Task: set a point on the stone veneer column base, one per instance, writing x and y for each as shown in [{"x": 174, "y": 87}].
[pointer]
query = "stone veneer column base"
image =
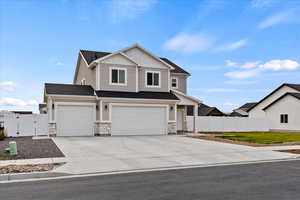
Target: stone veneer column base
[
  {"x": 172, "y": 128},
  {"x": 52, "y": 129},
  {"x": 104, "y": 129}
]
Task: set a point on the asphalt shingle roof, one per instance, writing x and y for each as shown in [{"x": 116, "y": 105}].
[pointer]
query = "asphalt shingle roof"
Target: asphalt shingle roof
[
  {"x": 68, "y": 89},
  {"x": 90, "y": 56},
  {"x": 137, "y": 95}
]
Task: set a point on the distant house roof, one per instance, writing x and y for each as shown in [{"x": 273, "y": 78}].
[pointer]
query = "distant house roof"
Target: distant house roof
[
  {"x": 296, "y": 95},
  {"x": 247, "y": 106},
  {"x": 137, "y": 95},
  {"x": 22, "y": 112},
  {"x": 68, "y": 89},
  {"x": 90, "y": 56},
  {"x": 205, "y": 110},
  {"x": 294, "y": 86}
]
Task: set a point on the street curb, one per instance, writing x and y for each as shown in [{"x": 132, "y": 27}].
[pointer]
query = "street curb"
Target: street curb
[
  {"x": 33, "y": 175},
  {"x": 41, "y": 176}
]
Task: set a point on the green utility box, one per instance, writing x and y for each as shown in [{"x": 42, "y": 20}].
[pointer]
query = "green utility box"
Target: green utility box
[{"x": 13, "y": 148}]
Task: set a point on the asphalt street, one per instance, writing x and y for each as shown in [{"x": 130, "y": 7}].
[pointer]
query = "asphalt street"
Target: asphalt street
[{"x": 265, "y": 181}]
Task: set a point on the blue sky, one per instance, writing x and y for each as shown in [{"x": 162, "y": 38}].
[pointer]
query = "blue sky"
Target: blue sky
[{"x": 236, "y": 50}]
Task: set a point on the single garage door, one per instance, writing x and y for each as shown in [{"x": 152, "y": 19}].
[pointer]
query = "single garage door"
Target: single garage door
[
  {"x": 75, "y": 120},
  {"x": 138, "y": 120}
]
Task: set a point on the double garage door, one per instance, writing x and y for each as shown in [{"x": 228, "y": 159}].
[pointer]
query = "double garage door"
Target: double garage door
[
  {"x": 78, "y": 120},
  {"x": 138, "y": 120}
]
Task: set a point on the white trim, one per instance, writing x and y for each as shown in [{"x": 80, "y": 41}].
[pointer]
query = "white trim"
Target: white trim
[
  {"x": 131, "y": 47},
  {"x": 117, "y": 68},
  {"x": 159, "y": 79},
  {"x": 142, "y": 105},
  {"x": 71, "y": 96},
  {"x": 101, "y": 111},
  {"x": 136, "y": 79},
  {"x": 83, "y": 81},
  {"x": 84, "y": 59},
  {"x": 147, "y": 52},
  {"x": 169, "y": 76},
  {"x": 176, "y": 78},
  {"x": 98, "y": 77},
  {"x": 56, "y": 104},
  {"x": 189, "y": 97},
  {"x": 110, "y": 55}
]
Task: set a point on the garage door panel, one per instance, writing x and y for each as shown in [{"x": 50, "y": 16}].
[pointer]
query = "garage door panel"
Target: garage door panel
[
  {"x": 75, "y": 120},
  {"x": 138, "y": 120}
]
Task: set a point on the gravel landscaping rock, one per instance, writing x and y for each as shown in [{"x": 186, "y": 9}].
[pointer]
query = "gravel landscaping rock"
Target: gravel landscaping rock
[
  {"x": 29, "y": 148},
  {"x": 27, "y": 168}
]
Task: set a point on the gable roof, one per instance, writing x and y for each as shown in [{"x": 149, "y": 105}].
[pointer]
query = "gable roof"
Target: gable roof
[
  {"x": 205, "y": 110},
  {"x": 247, "y": 106},
  {"x": 294, "y": 94},
  {"x": 294, "y": 86},
  {"x": 68, "y": 89},
  {"x": 137, "y": 95},
  {"x": 91, "y": 56}
]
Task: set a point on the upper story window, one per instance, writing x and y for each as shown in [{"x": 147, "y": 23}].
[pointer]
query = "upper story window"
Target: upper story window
[
  {"x": 174, "y": 82},
  {"x": 118, "y": 76},
  {"x": 83, "y": 82},
  {"x": 284, "y": 118},
  {"x": 152, "y": 79}
]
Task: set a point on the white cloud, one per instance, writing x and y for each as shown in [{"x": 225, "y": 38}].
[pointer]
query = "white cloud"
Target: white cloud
[
  {"x": 262, "y": 3},
  {"x": 218, "y": 90},
  {"x": 286, "y": 16},
  {"x": 277, "y": 65},
  {"x": 129, "y": 9},
  {"x": 253, "y": 69},
  {"x": 58, "y": 63},
  {"x": 250, "y": 65},
  {"x": 240, "y": 82},
  {"x": 228, "y": 104},
  {"x": 243, "y": 74},
  {"x": 230, "y": 63},
  {"x": 8, "y": 86},
  {"x": 232, "y": 46},
  {"x": 6, "y": 101},
  {"x": 189, "y": 43}
]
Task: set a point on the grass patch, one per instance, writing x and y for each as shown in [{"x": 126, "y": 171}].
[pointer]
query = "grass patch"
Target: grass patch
[{"x": 260, "y": 137}]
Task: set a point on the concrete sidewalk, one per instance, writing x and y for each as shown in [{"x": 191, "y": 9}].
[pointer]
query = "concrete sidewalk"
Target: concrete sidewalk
[
  {"x": 109, "y": 154},
  {"x": 32, "y": 161}
]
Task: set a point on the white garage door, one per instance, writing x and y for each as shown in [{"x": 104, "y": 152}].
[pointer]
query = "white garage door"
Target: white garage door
[
  {"x": 75, "y": 120},
  {"x": 138, "y": 120}
]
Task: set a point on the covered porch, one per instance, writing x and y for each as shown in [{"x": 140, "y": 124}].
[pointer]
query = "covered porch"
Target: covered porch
[{"x": 187, "y": 106}]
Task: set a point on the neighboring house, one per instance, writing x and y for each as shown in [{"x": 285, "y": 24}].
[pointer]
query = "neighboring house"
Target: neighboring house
[
  {"x": 43, "y": 108},
  {"x": 281, "y": 107},
  {"x": 243, "y": 110},
  {"x": 205, "y": 110},
  {"x": 128, "y": 92}
]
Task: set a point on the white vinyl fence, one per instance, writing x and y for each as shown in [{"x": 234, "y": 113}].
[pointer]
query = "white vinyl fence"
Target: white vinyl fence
[
  {"x": 227, "y": 124},
  {"x": 16, "y": 125}
]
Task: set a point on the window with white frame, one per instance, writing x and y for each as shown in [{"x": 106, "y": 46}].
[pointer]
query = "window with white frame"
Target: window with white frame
[
  {"x": 174, "y": 82},
  {"x": 284, "y": 118},
  {"x": 83, "y": 82},
  {"x": 118, "y": 76},
  {"x": 153, "y": 79}
]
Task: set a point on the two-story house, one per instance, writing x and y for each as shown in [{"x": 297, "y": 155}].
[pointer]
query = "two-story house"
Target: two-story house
[{"x": 128, "y": 92}]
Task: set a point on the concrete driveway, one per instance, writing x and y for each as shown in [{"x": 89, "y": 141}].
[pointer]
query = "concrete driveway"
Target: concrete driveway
[{"x": 108, "y": 154}]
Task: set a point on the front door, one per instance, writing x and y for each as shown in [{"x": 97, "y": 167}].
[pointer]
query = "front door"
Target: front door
[{"x": 180, "y": 119}]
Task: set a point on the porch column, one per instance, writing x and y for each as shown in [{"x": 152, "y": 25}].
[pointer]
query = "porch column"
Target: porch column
[{"x": 195, "y": 116}]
